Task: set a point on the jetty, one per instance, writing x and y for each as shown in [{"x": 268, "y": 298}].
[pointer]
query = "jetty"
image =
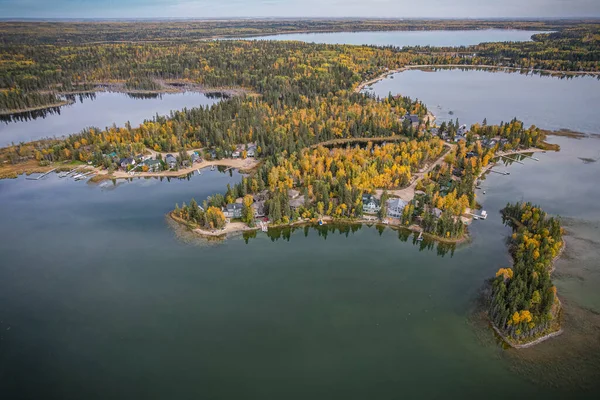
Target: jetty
[{"x": 40, "y": 176}]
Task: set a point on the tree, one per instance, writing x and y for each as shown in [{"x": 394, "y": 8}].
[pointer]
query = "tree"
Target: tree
[{"x": 247, "y": 211}]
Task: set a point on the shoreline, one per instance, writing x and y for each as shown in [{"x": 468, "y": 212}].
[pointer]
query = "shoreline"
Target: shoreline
[
  {"x": 167, "y": 87},
  {"x": 38, "y": 108}
]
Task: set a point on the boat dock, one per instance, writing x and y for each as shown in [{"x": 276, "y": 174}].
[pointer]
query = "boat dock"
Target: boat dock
[
  {"x": 513, "y": 160},
  {"x": 41, "y": 176}
]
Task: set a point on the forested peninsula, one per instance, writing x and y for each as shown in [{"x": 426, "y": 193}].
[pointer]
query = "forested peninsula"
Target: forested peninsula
[{"x": 319, "y": 149}]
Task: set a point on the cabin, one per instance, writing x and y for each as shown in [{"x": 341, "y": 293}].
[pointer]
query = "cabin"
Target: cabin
[
  {"x": 236, "y": 154},
  {"x": 171, "y": 161},
  {"x": 370, "y": 204},
  {"x": 126, "y": 162},
  {"x": 233, "y": 210},
  {"x": 296, "y": 199},
  {"x": 395, "y": 208},
  {"x": 251, "y": 151}
]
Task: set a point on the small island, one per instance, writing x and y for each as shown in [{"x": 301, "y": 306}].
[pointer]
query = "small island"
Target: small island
[{"x": 524, "y": 308}]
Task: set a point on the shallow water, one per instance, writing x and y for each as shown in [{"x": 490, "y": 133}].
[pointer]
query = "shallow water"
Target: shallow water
[
  {"x": 104, "y": 109},
  {"x": 409, "y": 38}
]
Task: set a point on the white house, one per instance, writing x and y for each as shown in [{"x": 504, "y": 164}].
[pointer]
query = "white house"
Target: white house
[{"x": 370, "y": 204}]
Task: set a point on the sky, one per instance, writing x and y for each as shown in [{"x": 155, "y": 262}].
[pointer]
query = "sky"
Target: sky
[{"x": 299, "y": 8}]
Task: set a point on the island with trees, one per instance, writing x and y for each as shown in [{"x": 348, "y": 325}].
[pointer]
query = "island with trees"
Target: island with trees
[{"x": 524, "y": 307}]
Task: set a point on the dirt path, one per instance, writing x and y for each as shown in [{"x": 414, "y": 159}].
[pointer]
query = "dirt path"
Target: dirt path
[{"x": 408, "y": 193}]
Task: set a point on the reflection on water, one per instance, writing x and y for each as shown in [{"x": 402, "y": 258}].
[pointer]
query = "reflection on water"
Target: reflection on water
[
  {"x": 98, "y": 110},
  {"x": 286, "y": 233}
]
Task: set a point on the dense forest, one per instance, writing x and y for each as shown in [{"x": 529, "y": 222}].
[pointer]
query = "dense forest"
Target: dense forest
[
  {"x": 276, "y": 70},
  {"x": 524, "y": 304}
]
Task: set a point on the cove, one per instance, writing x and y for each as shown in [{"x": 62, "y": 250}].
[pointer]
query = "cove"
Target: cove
[
  {"x": 408, "y": 38},
  {"x": 100, "y": 110}
]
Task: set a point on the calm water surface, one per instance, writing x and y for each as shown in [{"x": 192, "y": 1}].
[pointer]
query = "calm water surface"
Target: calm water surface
[
  {"x": 471, "y": 95},
  {"x": 409, "y": 38},
  {"x": 99, "y": 297},
  {"x": 104, "y": 110}
]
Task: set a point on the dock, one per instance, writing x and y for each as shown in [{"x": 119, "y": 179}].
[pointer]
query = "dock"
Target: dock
[
  {"x": 513, "y": 160},
  {"x": 41, "y": 176},
  {"x": 499, "y": 172}
]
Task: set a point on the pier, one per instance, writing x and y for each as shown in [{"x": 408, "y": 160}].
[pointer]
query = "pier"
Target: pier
[
  {"x": 513, "y": 159},
  {"x": 499, "y": 172},
  {"x": 41, "y": 176}
]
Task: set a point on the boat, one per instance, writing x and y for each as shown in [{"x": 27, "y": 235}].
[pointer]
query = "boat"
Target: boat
[
  {"x": 420, "y": 238},
  {"x": 212, "y": 168}
]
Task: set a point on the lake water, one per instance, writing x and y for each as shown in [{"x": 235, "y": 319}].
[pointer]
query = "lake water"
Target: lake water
[
  {"x": 471, "y": 95},
  {"x": 101, "y": 297},
  {"x": 103, "y": 110},
  {"x": 96, "y": 285},
  {"x": 409, "y": 38}
]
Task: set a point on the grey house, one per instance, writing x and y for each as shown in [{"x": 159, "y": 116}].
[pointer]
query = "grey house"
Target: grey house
[
  {"x": 233, "y": 210},
  {"x": 171, "y": 160},
  {"x": 395, "y": 208}
]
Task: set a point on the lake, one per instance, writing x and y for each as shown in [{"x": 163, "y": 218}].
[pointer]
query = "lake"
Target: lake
[
  {"x": 102, "y": 297},
  {"x": 101, "y": 110},
  {"x": 471, "y": 95},
  {"x": 96, "y": 285},
  {"x": 408, "y": 38}
]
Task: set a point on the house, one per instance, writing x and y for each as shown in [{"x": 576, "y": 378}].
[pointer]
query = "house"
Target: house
[
  {"x": 171, "y": 161},
  {"x": 235, "y": 154},
  {"x": 251, "y": 151},
  {"x": 370, "y": 204},
  {"x": 233, "y": 210},
  {"x": 195, "y": 157},
  {"x": 126, "y": 162},
  {"x": 297, "y": 202},
  {"x": 435, "y": 131},
  {"x": 259, "y": 208},
  {"x": 489, "y": 143},
  {"x": 395, "y": 208},
  {"x": 412, "y": 118},
  {"x": 153, "y": 165}
]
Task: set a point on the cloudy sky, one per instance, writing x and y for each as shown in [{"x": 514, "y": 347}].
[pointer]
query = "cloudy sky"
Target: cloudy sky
[{"x": 297, "y": 8}]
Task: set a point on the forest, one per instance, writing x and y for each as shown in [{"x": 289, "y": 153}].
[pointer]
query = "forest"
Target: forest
[
  {"x": 524, "y": 304},
  {"x": 33, "y": 75}
]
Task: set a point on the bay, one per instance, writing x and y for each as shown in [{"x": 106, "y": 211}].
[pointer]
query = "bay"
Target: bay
[{"x": 101, "y": 110}]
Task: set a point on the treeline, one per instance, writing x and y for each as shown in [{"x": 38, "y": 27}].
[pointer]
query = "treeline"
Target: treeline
[
  {"x": 524, "y": 303},
  {"x": 82, "y": 32},
  {"x": 16, "y": 99}
]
